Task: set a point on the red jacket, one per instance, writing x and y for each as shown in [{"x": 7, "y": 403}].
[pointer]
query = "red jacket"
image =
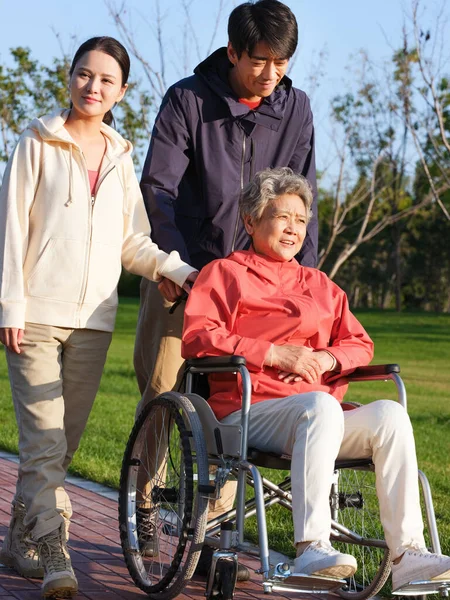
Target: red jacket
[{"x": 243, "y": 303}]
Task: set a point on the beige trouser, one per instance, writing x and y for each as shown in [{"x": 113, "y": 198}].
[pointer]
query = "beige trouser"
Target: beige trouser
[
  {"x": 157, "y": 352},
  {"x": 54, "y": 382},
  {"x": 314, "y": 430},
  {"x": 159, "y": 365}
]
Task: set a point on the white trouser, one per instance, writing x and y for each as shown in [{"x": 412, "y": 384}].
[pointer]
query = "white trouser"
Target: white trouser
[{"x": 314, "y": 430}]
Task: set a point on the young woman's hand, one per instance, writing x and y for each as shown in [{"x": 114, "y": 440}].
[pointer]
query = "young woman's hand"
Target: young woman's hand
[
  {"x": 169, "y": 290},
  {"x": 11, "y": 337}
]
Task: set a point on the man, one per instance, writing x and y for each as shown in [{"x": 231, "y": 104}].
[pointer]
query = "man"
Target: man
[{"x": 237, "y": 115}]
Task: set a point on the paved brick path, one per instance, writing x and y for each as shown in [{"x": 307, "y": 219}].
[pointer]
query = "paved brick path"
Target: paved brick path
[{"x": 96, "y": 553}]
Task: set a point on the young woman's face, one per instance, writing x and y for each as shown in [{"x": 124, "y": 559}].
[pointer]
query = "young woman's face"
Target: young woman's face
[{"x": 96, "y": 85}]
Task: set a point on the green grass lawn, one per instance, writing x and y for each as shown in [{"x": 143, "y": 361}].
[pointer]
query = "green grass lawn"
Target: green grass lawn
[{"x": 419, "y": 342}]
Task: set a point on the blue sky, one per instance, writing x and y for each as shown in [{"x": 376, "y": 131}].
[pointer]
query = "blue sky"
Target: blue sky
[
  {"x": 342, "y": 26},
  {"x": 339, "y": 27}
]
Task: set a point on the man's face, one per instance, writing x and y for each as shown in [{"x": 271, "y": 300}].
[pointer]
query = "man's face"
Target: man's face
[{"x": 256, "y": 76}]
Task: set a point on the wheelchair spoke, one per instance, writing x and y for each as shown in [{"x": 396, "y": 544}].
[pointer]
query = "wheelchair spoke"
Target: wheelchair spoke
[
  {"x": 358, "y": 511},
  {"x": 161, "y": 512}
]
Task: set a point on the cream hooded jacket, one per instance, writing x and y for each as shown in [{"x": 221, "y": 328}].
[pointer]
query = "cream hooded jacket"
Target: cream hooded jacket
[{"x": 61, "y": 250}]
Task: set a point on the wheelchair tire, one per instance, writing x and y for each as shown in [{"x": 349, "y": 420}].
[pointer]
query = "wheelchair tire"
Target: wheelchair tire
[
  {"x": 163, "y": 501},
  {"x": 359, "y": 512}
]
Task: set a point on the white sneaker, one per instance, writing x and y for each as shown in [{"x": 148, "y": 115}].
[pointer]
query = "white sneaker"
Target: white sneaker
[
  {"x": 418, "y": 564},
  {"x": 320, "y": 558}
]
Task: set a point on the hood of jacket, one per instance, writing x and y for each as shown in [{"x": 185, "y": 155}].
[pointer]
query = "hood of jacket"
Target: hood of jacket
[
  {"x": 50, "y": 128},
  {"x": 266, "y": 268},
  {"x": 214, "y": 72}
]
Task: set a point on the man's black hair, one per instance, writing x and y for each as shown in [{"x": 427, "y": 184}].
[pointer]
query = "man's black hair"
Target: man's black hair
[{"x": 267, "y": 21}]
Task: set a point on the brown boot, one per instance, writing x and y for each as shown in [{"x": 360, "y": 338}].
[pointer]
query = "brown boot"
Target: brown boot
[
  {"x": 147, "y": 533},
  {"x": 59, "y": 578},
  {"x": 18, "y": 551}
]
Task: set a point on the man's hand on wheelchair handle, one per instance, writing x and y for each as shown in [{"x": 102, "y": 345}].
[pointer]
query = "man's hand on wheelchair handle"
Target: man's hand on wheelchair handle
[{"x": 298, "y": 362}]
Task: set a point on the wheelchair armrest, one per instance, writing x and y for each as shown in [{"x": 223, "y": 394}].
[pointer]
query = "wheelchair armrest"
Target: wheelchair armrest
[
  {"x": 221, "y": 362},
  {"x": 373, "y": 372}
]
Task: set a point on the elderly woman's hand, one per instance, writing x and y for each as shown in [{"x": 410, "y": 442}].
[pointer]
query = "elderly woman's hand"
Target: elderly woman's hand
[
  {"x": 294, "y": 363},
  {"x": 324, "y": 359}
]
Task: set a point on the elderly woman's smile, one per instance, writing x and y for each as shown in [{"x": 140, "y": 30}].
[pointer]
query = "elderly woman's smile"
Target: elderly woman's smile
[{"x": 281, "y": 229}]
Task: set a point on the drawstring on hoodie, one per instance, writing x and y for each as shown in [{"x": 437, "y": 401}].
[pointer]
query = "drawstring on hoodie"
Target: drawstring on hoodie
[{"x": 70, "y": 199}]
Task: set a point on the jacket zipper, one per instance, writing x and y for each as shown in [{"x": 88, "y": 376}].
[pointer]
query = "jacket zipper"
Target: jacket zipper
[
  {"x": 91, "y": 213},
  {"x": 242, "y": 187}
]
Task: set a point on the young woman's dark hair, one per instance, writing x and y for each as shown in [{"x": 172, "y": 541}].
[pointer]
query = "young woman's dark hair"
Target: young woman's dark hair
[
  {"x": 113, "y": 48},
  {"x": 267, "y": 21}
]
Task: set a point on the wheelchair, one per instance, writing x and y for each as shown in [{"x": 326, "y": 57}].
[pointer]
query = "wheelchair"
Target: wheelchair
[{"x": 179, "y": 456}]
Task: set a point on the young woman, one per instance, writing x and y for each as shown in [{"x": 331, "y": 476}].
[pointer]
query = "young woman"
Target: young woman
[{"x": 72, "y": 215}]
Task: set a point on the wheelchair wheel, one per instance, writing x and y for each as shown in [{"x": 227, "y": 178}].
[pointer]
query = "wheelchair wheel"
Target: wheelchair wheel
[
  {"x": 163, "y": 502},
  {"x": 357, "y": 508}
]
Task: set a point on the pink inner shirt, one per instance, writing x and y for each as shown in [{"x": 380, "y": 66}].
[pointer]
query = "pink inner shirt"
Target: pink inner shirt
[{"x": 93, "y": 178}]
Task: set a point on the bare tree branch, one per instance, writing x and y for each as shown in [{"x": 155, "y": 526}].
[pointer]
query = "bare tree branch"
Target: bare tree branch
[
  {"x": 187, "y": 13},
  {"x": 154, "y": 77},
  {"x": 216, "y": 27},
  {"x": 428, "y": 75}
]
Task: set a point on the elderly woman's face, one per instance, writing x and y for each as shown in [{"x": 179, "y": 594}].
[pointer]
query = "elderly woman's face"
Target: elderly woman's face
[{"x": 282, "y": 228}]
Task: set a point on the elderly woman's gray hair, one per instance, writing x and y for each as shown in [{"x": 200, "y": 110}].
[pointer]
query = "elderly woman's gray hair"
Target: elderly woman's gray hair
[{"x": 267, "y": 185}]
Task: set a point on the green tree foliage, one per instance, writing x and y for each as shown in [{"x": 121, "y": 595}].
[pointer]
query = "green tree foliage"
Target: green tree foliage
[
  {"x": 29, "y": 89},
  {"x": 394, "y": 173},
  {"x": 427, "y": 270}
]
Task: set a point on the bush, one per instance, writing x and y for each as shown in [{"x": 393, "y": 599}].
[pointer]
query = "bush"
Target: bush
[{"x": 129, "y": 284}]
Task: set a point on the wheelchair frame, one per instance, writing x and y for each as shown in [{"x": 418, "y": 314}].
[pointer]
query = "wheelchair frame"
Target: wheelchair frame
[{"x": 230, "y": 455}]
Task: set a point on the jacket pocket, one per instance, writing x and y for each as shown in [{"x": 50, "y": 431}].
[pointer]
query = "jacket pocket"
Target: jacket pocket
[
  {"x": 58, "y": 273},
  {"x": 105, "y": 267}
]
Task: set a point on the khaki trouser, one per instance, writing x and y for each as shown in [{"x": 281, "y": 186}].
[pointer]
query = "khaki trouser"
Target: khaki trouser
[
  {"x": 159, "y": 365},
  {"x": 157, "y": 352},
  {"x": 314, "y": 430},
  {"x": 54, "y": 381}
]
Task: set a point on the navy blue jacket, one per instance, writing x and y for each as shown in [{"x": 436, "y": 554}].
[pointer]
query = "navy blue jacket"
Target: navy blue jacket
[{"x": 206, "y": 146}]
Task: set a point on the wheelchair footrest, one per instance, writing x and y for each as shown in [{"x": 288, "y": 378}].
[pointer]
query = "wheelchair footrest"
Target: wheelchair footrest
[
  {"x": 418, "y": 588},
  {"x": 312, "y": 584}
]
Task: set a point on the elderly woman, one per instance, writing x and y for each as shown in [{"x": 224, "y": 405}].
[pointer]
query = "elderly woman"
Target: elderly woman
[{"x": 295, "y": 329}]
